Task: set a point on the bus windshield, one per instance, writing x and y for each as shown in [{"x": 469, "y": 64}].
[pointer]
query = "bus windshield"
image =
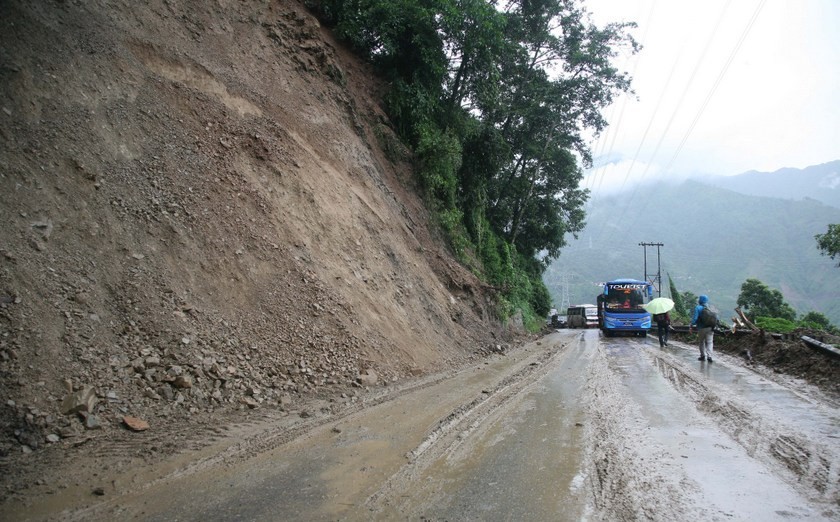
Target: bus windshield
[
  {"x": 621, "y": 307},
  {"x": 625, "y": 297}
]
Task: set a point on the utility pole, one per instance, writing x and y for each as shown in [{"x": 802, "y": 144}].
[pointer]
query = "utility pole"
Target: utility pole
[{"x": 656, "y": 278}]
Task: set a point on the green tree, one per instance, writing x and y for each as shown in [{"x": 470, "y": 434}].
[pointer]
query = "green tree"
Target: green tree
[
  {"x": 679, "y": 304},
  {"x": 759, "y": 300},
  {"x": 829, "y": 243},
  {"x": 534, "y": 210},
  {"x": 817, "y": 321},
  {"x": 689, "y": 300},
  {"x": 540, "y": 298},
  {"x": 557, "y": 79},
  {"x": 475, "y": 41},
  {"x": 497, "y": 101}
]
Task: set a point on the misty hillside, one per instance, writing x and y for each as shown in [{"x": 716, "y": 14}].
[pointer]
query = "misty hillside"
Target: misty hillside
[
  {"x": 714, "y": 239},
  {"x": 818, "y": 182}
]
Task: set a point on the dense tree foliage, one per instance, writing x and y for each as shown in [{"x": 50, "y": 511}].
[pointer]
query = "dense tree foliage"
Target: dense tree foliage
[
  {"x": 775, "y": 324},
  {"x": 811, "y": 321},
  {"x": 765, "y": 307},
  {"x": 759, "y": 300},
  {"x": 689, "y": 300},
  {"x": 495, "y": 98},
  {"x": 829, "y": 243},
  {"x": 817, "y": 321}
]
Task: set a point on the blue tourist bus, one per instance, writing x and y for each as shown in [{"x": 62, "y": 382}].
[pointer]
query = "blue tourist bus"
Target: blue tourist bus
[{"x": 620, "y": 307}]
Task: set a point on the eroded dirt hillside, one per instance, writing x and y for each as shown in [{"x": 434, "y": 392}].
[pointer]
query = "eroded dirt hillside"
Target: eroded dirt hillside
[{"x": 198, "y": 217}]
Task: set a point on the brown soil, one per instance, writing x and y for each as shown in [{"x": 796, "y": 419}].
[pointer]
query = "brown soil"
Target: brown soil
[
  {"x": 206, "y": 214},
  {"x": 208, "y": 221}
]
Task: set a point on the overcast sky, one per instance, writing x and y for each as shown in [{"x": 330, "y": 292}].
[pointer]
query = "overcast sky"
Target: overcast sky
[{"x": 723, "y": 87}]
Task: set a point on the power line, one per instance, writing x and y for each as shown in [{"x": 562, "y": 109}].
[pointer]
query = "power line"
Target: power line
[
  {"x": 710, "y": 94},
  {"x": 612, "y": 131},
  {"x": 720, "y": 76},
  {"x": 674, "y": 113}
]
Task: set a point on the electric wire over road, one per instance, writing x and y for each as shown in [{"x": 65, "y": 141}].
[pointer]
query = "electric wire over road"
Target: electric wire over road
[{"x": 597, "y": 175}]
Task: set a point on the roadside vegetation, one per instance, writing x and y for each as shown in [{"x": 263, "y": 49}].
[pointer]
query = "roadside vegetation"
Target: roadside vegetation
[
  {"x": 496, "y": 101},
  {"x": 763, "y": 306},
  {"x": 829, "y": 243},
  {"x": 767, "y": 308}
]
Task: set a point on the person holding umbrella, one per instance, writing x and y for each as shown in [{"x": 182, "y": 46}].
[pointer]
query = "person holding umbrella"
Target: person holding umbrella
[
  {"x": 663, "y": 323},
  {"x": 659, "y": 308}
]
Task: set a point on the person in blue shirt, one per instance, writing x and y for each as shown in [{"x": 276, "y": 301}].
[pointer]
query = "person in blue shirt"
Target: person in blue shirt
[{"x": 705, "y": 334}]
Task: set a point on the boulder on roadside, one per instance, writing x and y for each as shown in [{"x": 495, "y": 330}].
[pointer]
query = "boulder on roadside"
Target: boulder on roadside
[
  {"x": 182, "y": 381},
  {"x": 250, "y": 402},
  {"x": 368, "y": 378},
  {"x": 135, "y": 424},
  {"x": 90, "y": 421},
  {"x": 83, "y": 400}
]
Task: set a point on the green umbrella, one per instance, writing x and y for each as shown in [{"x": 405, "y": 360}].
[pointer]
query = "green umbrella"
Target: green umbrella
[{"x": 660, "y": 305}]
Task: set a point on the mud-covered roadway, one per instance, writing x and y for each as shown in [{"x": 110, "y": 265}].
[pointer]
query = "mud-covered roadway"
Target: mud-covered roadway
[{"x": 574, "y": 426}]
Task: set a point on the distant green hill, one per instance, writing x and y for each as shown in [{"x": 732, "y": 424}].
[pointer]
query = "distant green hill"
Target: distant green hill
[{"x": 714, "y": 239}]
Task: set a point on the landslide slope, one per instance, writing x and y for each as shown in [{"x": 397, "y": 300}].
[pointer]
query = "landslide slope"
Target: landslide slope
[{"x": 199, "y": 217}]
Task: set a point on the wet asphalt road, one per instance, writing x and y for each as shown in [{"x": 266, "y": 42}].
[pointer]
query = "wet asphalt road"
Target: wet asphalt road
[{"x": 726, "y": 480}]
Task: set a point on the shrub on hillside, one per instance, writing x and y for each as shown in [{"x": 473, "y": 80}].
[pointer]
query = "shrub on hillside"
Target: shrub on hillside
[
  {"x": 817, "y": 321},
  {"x": 775, "y": 324}
]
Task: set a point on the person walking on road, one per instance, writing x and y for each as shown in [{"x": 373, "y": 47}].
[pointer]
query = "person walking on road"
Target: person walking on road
[
  {"x": 663, "y": 323},
  {"x": 705, "y": 320}
]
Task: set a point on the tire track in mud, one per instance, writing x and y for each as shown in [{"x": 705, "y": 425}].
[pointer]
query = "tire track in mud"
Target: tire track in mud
[
  {"x": 808, "y": 464},
  {"x": 627, "y": 483},
  {"x": 455, "y": 428},
  {"x": 269, "y": 435},
  {"x": 264, "y": 433}
]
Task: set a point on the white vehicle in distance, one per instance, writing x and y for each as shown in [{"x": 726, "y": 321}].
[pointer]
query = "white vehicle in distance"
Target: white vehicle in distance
[{"x": 582, "y": 316}]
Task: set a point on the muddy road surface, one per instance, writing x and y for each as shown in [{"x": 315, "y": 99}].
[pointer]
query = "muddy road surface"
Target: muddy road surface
[{"x": 571, "y": 427}]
